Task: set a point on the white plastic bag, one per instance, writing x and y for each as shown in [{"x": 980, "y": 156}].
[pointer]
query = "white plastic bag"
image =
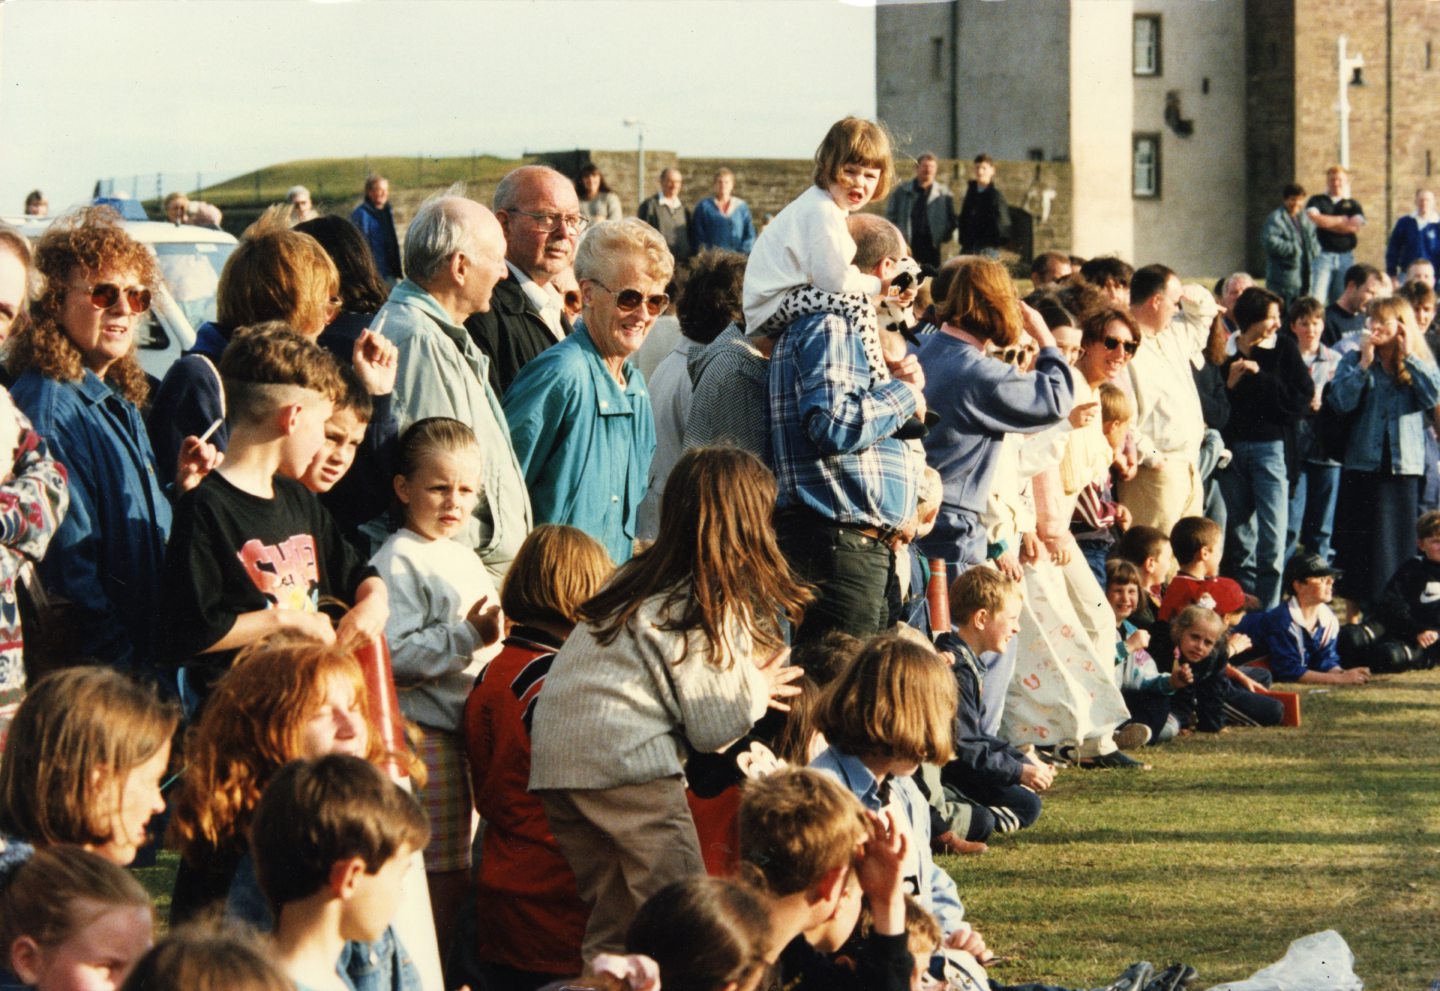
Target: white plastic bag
[{"x": 1318, "y": 962}]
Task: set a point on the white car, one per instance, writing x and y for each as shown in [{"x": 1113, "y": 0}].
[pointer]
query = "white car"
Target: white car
[{"x": 191, "y": 259}]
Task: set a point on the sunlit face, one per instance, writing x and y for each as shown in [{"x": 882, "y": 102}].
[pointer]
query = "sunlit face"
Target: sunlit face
[
  {"x": 486, "y": 265},
  {"x": 1157, "y": 567},
  {"x": 670, "y": 182},
  {"x": 1316, "y": 591},
  {"x": 724, "y": 186},
  {"x": 1430, "y": 547},
  {"x": 370, "y": 909},
  {"x": 1115, "y": 431},
  {"x": 98, "y": 956},
  {"x": 1419, "y": 271},
  {"x": 1001, "y": 629},
  {"x": 1424, "y": 315},
  {"x": 618, "y": 334},
  {"x": 12, "y": 290},
  {"x": 301, "y": 202},
  {"x": 855, "y": 187},
  {"x": 176, "y": 210},
  {"x": 1425, "y": 202},
  {"x": 1123, "y": 599},
  {"x": 1266, "y": 327},
  {"x": 1308, "y": 331},
  {"x": 1100, "y": 362},
  {"x": 378, "y": 193},
  {"x": 337, "y": 726},
  {"x": 441, "y": 493},
  {"x": 131, "y": 805},
  {"x": 344, "y": 432},
  {"x": 1383, "y": 329},
  {"x": 925, "y": 170},
  {"x": 1169, "y": 303},
  {"x": 541, "y": 254},
  {"x": 307, "y": 435},
  {"x": 1335, "y": 183},
  {"x": 103, "y": 337},
  {"x": 591, "y": 184},
  {"x": 1196, "y": 642},
  {"x": 1067, "y": 339}
]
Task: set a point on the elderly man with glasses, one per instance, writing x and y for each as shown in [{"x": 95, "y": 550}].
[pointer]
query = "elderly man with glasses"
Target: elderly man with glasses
[{"x": 540, "y": 215}]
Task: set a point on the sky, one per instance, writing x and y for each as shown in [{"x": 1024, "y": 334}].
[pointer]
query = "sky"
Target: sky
[{"x": 220, "y": 87}]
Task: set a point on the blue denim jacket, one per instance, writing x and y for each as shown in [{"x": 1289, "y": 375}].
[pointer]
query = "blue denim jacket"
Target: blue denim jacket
[
  {"x": 1390, "y": 415},
  {"x": 379, "y": 966},
  {"x": 107, "y": 554}
]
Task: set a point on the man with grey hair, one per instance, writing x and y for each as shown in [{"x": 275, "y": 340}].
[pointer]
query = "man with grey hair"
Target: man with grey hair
[
  {"x": 540, "y": 215},
  {"x": 376, "y": 219},
  {"x": 455, "y": 255},
  {"x": 301, "y": 207},
  {"x": 1235, "y": 283},
  {"x": 669, "y": 216}
]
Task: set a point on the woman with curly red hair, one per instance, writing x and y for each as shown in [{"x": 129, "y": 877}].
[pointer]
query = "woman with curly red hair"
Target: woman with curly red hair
[{"x": 81, "y": 385}]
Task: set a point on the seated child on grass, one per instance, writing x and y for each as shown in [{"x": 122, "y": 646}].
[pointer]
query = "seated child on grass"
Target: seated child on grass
[
  {"x": 252, "y": 552},
  {"x": 1199, "y": 545},
  {"x": 1299, "y": 638},
  {"x": 1149, "y": 550},
  {"x": 813, "y": 851},
  {"x": 332, "y": 840},
  {"x": 1213, "y": 699},
  {"x": 889, "y": 711},
  {"x": 1409, "y": 608},
  {"x": 998, "y": 780},
  {"x": 1147, "y": 692}
]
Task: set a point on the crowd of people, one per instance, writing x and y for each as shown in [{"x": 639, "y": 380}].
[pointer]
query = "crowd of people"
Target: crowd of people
[{"x": 723, "y": 659}]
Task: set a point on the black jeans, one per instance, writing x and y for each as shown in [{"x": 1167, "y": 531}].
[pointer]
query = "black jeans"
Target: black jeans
[{"x": 853, "y": 574}]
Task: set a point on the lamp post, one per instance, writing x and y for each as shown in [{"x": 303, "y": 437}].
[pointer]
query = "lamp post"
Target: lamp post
[
  {"x": 1349, "y": 75},
  {"x": 639, "y": 126}
]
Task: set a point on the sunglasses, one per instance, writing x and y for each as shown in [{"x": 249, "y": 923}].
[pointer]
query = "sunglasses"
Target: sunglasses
[
  {"x": 107, "y": 294},
  {"x": 627, "y": 300},
  {"x": 1111, "y": 343}
]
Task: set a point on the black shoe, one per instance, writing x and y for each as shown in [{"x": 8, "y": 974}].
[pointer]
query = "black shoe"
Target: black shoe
[
  {"x": 1135, "y": 977},
  {"x": 1173, "y": 978},
  {"x": 1114, "y": 760}
]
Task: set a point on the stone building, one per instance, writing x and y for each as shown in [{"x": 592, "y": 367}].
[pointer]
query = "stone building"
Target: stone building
[{"x": 1180, "y": 119}]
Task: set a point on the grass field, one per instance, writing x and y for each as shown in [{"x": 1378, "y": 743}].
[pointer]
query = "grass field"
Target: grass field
[
  {"x": 1232, "y": 847},
  {"x": 1229, "y": 849}
]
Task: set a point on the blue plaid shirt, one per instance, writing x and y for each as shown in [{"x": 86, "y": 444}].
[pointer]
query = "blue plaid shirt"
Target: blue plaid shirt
[{"x": 832, "y": 426}]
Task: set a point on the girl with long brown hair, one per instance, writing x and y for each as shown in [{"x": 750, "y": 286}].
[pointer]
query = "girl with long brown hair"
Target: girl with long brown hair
[{"x": 683, "y": 647}]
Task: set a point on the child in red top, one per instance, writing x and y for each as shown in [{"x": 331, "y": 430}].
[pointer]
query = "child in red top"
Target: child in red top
[
  {"x": 1198, "y": 544},
  {"x": 530, "y": 919}
]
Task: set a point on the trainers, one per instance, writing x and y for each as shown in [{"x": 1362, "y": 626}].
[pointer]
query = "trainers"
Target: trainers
[
  {"x": 1132, "y": 736},
  {"x": 1113, "y": 760},
  {"x": 1135, "y": 977}
]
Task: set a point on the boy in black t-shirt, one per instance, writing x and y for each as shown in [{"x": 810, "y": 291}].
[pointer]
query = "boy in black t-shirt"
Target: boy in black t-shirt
[{"x": 252, "y": 552}]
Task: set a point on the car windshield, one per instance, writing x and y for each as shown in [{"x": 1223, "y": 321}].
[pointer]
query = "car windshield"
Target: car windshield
[{"x": 192, "y": 273}]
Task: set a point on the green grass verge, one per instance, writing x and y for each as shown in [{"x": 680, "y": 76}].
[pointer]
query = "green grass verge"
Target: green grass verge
[{"x": 1232, "y": 847}]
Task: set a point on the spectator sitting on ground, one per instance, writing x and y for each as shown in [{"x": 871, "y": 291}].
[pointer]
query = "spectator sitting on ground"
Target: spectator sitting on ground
[
  {"x": 1409, "y": 607},
  {"x": 1299, "y": 638}
]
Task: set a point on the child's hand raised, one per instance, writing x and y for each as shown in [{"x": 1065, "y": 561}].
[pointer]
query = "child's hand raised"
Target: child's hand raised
[
  {"x": 880, "y": 868},
  {"x": 1181, "y": 676},
  {"x": 376, "y": 361},
  {"x": 780, "y": 675},
  {"x": 486, "y": 620}
]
